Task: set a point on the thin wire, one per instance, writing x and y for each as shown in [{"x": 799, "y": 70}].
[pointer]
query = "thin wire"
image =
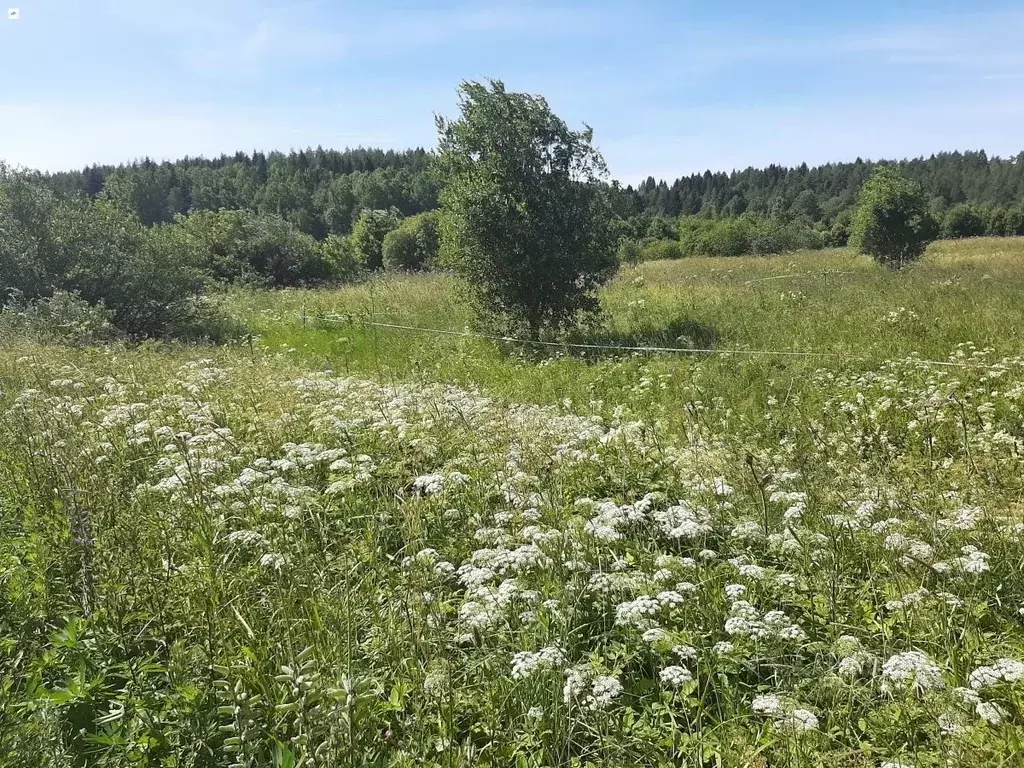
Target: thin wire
[{"x": 616, "y": 348}]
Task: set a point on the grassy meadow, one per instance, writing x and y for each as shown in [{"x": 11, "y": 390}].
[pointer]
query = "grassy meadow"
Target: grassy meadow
[
  {"x": 836, "y": 305},
  {"x": 335, "y": 544}
]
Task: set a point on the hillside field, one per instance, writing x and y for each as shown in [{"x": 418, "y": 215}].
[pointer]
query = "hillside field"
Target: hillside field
[{"x": 797, "y": 541}]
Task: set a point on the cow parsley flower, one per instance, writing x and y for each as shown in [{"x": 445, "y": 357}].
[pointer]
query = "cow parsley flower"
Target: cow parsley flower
[
  {"x": 798, "y": 720},
  {"x": 685, "y": 652},
  {"x": 735, "y": 591},
  {"x": 638, "y": 613},
  {"x": 527, "y": 663},
  {"x": 428, "y": 485},
  {"x": 911, "y": 669},
  {"x": 603, "y": 691},
  {"x": 670, "y": 599},
  {"x": 991, "y": 713},
  {"x": 675, "y": 676},
  {"x": 247, "y": 538},
  {"x": 654, "y": 635},
  {"x": 272, "y": 561},
  {"x": 767, "y": 704},
  {"x": 1004, "y": 670}
]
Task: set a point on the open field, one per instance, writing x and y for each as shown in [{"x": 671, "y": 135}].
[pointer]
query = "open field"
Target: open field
[
  {"x": 349, "y": 545},
  {"x": 834, "y": 303}
]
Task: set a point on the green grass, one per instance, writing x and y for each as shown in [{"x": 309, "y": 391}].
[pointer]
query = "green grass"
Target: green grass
[
  {"x": 838, "y": 306},
  {"x": 348, "y": 546}
]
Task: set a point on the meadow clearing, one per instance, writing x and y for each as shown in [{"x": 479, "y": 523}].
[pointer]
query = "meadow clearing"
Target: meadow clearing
[{"x": 340, "y": 544}]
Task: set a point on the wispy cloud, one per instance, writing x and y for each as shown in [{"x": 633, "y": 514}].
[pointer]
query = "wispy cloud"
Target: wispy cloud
[{"x": 967, "y": 41}]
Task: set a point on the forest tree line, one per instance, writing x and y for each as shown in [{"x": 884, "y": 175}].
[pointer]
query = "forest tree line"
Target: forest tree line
[
  {"x": 322, "y": 192},
  {"x": 143, "y": 243}
]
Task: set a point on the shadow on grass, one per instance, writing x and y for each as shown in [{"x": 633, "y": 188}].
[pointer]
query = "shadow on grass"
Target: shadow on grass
[{"x": 683, "y": 334}]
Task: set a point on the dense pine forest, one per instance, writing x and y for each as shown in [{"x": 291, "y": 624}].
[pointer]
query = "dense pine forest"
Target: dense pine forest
[{"x": 323, "y": 191}]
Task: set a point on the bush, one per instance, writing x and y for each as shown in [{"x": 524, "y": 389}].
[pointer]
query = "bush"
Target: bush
[
  {"x": 148, "y": 282},
  {"x": 237, "y": 246},
  {"x": 662, "y": 249},
  {"x": 963, "y": 220},
  {"x": 369, "y": 232},
  {"x": 891, "y": 223},
  {"x": 413, "y": 245},
  {"x": 62, "y": 317},
  {"x": 839, "y": 234},
  {"x": 344, "y": 261},
  {"x": 749, "y": 233},
  {"x": 630, "y": 252}
]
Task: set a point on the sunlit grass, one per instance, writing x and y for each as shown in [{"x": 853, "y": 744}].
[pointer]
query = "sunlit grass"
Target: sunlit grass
[
  {"x": 839, "y": 307},
  {"x": 311, "y": 549}
]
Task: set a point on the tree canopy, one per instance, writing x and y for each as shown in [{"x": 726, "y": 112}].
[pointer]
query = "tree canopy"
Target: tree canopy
[{"x": 524, "y": 220}]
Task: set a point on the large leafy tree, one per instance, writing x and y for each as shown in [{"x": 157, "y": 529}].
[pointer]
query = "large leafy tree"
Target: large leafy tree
[
  {"x": 524, "y": 219},
  {"x": 891, "y": 223}
]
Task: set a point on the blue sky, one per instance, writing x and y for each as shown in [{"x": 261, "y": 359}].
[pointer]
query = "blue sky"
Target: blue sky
[{"x": 669, "y": 87}]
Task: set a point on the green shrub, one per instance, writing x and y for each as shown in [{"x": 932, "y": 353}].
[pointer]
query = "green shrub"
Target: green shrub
[
  {"x": 149, "y": 283},
  {"x": 369, "y": 232},
  {"x": 963, "y": 220},
  {"x": 662, "y": 249},
  {"x": 630, "y": 252},
  {"x": 235, "y": 246},
  {"x": 345, "y": 263},
  {"x": 61, "y": 317},
  {"x": 413, "y": 245},
  {"x": 892, "y": 223}
]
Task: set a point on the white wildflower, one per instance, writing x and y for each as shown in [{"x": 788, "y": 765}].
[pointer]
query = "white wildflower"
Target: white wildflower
[
  {"x": 675, "y": 676},
  {"x": 911, "y": 669},
  {"x": 798, "y": 720}
]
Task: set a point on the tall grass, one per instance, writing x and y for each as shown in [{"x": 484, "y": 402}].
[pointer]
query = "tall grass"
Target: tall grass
[
  {"x": 317, "y": 550},
  {"x": 840, "y": 307}
]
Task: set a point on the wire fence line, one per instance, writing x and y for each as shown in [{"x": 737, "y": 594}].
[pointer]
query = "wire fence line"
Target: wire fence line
[{"x": 353, "y": 322}]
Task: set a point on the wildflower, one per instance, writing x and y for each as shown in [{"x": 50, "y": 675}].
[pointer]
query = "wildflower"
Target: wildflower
[
  {"x": 272, "y": 561},
  {"x": 654, "y": 635},
  {"x": 767, "y": 704},
  {"x": 526, "y": 663},
  {"x": 685, "y": 652},
  {"x": 675, "y": 676},
  {"x": 683, "y": 521},
  {"x": 851, "y": 666},
  {"x": 1004, "y": 670},
  {"x": 670, "y": 599},
  {"x": 991, "y": 713},
  {"x": 637, "y": 613},
  {"x": 576, "y": 681},
  {"x": 748, "y": 530},
  {"x": 247, "y": 538},
  {"x": 605, "y": 689},
  {"x": 798, "y": 720},
  {"x": 912, "y": 668},
  {"x": 951, "y": 724},
  {"x": 428, "y": 485},
  {"x": 735, "y": 591},
  {"x": 967, "y": 696},
  {"x": 973, "y": 562}
]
